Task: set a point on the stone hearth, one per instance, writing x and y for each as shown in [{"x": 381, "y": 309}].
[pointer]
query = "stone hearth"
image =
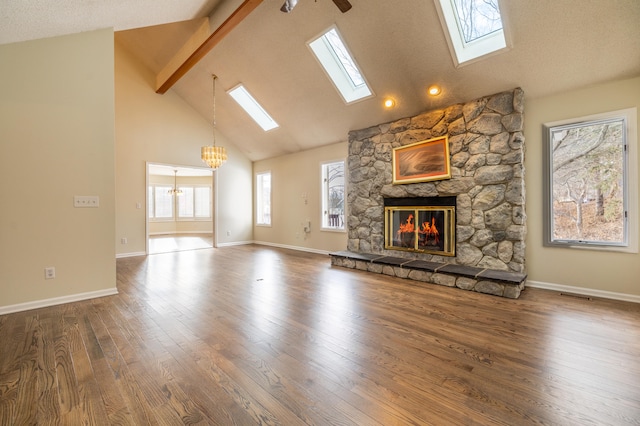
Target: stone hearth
[{"x": 489, "y": 281}]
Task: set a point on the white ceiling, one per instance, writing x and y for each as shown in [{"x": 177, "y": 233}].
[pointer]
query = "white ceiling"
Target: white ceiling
[
  {"x": 22, "y": 20},
  {"x": 557, "y": 45}
]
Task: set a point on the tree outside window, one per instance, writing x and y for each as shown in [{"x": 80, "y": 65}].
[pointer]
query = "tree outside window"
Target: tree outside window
[{"x": 587, "y": 188}]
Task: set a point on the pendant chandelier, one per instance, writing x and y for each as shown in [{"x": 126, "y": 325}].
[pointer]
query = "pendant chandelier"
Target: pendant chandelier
[
  {"x": 175, "y": 190},
  {"x": 213, "y": 155}
]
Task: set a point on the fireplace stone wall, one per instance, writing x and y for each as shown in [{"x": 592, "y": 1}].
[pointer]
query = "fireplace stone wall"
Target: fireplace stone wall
[{"x": 487, "y": 152}]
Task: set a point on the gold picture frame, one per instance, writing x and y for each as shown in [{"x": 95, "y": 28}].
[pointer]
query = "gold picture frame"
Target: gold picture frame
[{"x": 422, "y": 161}]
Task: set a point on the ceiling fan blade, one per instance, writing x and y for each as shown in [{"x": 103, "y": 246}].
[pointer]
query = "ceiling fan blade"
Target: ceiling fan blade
[
  {"x": 343, "y": 5},
  {"x": 288, "y": 5}
]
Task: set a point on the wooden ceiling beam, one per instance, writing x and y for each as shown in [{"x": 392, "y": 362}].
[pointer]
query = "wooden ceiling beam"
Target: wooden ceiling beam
[{"x": 164, "y": 82}]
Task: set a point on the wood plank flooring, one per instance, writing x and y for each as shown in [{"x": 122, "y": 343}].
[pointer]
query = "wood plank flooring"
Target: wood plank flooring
[
  {"x": 179, "y": 242},
  {"x": 258, "y": 335}
]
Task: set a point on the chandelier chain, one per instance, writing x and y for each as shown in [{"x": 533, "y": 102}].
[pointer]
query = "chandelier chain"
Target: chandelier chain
[
  {"x": 214, "y": 108},
  {"x": 213, "y": 155}
]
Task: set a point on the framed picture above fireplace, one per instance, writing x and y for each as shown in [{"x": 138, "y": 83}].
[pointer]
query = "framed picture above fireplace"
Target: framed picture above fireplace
[
  {"x": 422, "y": 161},
  {"x": 420, "y": 229}
]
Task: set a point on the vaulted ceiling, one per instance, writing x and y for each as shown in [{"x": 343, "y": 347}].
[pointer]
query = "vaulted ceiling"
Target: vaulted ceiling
[{"x": 400, "y": 46}]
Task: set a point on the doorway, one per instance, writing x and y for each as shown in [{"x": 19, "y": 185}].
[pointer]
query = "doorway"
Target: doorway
[{"x": 180, "y": 208}]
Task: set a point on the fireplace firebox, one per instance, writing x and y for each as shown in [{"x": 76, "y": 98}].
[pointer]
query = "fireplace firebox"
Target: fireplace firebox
[{"x": 421, "y": 224}]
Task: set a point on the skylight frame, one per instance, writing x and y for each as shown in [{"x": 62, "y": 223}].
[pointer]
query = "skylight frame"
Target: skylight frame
[
  {"x": 252, "y": 107},
  {"x": 462, "y": 52},
  {"x": 329, "y": 58}
]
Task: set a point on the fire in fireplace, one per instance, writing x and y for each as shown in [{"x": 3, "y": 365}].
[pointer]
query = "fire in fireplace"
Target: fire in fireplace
[{"x": 425, "y": 225}]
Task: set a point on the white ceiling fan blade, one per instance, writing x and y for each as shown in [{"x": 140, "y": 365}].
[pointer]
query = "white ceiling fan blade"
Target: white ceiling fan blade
[{"x": 288, "y": 5}]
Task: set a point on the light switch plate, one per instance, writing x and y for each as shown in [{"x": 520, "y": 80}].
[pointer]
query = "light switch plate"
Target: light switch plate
[{"x": 86, "y": 201}]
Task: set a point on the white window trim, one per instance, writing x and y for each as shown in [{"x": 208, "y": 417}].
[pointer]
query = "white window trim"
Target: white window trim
[
  {"x": 335, "y": 72},
  {"x": 253, "y": 108},
  {"x": 630, "y": 184},
  {"x": 464, "y": 53},
  {"x": 173, "y": 209},
  {"x": 270, "y": 224},
  {"x": 322, "y": 227}
]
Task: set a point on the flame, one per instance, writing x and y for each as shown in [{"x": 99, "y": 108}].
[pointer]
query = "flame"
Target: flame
[
  {"x": 406, "y": 227},
  {"x": 430, "y": 230}
]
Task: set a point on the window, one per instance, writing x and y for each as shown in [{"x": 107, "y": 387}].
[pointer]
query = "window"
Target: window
[
  {"x": 333, "y": 195},
  {"x": 333, "y": 55},
  {"x": 263, "y": 198},
  {"x": 253, "y": 108},
  {"x": 193, "y": 204},
  {"x": 160, "y": 202},
  {"x": 474, "y": 28},
  {"x": 591, "y": 182}
]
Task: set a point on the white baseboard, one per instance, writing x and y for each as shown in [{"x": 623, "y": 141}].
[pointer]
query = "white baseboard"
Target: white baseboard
[
  {"x": 584, "y": 291},
  {"x": 155, "y": 234},
  {"x": 307, "y": 249},
  {"x": 132, "y": 254},
  {"x": 56, "y": 301},
  {"x": 235, "y": 243}
]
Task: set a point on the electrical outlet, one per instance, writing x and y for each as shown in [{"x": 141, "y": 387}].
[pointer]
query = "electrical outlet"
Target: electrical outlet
[
  {"x": 123, "y": 241},
  {"x": 228, "y": 233},
  {"x": 49, "y": 273}
]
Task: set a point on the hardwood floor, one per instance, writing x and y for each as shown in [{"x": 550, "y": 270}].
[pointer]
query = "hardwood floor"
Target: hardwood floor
[
  {"x": 258, "y": 335},
  {"x": 179, "y": 242}
]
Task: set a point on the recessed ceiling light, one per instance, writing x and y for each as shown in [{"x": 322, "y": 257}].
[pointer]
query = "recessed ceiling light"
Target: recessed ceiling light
[
  {"x": 389, "y": 103},
  {"x": 434, "y": 90}
]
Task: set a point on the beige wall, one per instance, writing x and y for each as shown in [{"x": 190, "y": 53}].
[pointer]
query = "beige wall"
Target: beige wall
[
  {"x": 291, "y": 176},
  {"x": 56, "y": 141},
  {"x": 164, "y": 129},
  {"x": 593, "y": 270}
]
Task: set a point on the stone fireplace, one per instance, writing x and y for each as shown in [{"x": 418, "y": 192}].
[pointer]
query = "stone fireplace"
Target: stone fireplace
[{"x": 486, "y": 148}]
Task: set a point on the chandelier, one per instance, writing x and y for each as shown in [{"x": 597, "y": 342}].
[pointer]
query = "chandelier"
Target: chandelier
[
  {"x": 175, "y": 190},
  {"x": 213, "y": 155}
]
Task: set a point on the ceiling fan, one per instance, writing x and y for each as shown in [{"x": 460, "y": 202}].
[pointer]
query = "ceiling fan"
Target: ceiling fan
[{"x": 343, "y": 5}]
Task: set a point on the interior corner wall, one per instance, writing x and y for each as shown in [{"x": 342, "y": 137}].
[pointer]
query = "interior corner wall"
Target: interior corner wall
[
  {"x": 292, "y": 176},
  {"x": 164, "y": 129},
  {"x": 597, "y": 270},
  {"x": 56, "y": 141}
]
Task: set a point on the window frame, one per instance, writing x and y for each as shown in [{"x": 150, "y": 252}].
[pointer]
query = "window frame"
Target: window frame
[
  {"x": 630, "y": 181},
  {"x": 464, "y": 53},
  {"x": 334, "y": 69},
  {"x": 152, "y": 202},
  {"x": 259, "y": 198},
  {"x": 253, "y": 108},
  {"x": 175, "y": 217},
  {"x": 194, "y": 218},
  {"x": 324, "y": 194}
]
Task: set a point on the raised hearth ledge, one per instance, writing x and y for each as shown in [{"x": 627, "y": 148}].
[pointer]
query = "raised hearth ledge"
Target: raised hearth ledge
[{"x": 488, "y": 281}]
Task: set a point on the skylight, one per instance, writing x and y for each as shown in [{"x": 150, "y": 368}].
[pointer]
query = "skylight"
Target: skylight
[
  {"x": 474, "y": 28},
  {"x": 253, "y": 108},
  {"x": 333, "y": 55}
]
